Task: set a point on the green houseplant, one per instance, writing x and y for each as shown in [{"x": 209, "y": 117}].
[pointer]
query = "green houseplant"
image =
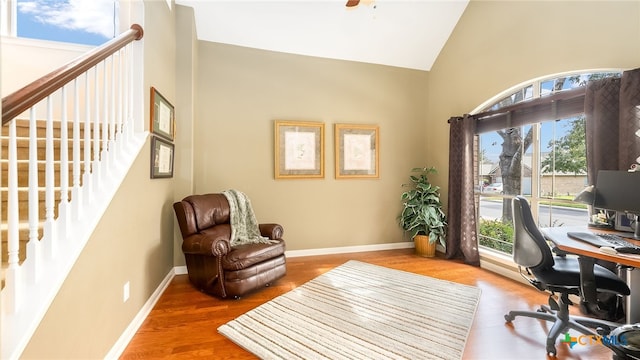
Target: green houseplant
[{"x": 422, "y": 212}]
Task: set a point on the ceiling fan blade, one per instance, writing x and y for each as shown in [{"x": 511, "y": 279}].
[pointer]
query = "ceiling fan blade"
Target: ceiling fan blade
[{"x": 352, "y": 3}]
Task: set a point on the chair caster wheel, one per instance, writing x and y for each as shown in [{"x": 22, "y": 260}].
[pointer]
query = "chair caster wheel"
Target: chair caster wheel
[{"x": 509, "y": 318}]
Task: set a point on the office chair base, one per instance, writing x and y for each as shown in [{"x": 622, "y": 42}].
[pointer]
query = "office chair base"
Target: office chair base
[{"x": 562, "y": 322}]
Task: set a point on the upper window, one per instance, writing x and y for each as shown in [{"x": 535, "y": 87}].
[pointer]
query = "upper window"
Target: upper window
[
  {"x": 544, "y": 161},
  {"x": 85, "y": 22}
]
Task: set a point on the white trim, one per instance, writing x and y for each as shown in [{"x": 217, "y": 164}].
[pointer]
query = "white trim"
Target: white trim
[
  {"x": 349, "y": 249},
  {"x": 124, "y": 339},
  {"x": 180, "y": 270},
  {"x": 19, "y": 327},
  {"x": 130, "y": 331},
  {"x": 500, "y": 264}
]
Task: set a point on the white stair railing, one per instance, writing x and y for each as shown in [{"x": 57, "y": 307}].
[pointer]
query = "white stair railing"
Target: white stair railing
[{"x": 96, "y": 99}]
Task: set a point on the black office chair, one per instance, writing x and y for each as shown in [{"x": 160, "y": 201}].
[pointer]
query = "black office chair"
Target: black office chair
[{"x": 557, "y": 274}]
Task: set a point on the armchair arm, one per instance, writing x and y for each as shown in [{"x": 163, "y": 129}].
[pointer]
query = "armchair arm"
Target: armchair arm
[
  {"x": 272, "y": 231},
  {"x": 206, "y": 244}
]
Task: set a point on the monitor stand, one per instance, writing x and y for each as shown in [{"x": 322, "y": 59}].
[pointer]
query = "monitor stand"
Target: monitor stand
[{"x": 636, "y": 228}]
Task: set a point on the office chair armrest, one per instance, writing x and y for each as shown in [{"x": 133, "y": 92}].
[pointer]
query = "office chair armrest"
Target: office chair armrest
[{"x": 588, "y": 288}]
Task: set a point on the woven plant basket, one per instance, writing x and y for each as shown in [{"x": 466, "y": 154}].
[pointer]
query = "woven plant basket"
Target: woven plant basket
[{"x": 424, "y": 247}]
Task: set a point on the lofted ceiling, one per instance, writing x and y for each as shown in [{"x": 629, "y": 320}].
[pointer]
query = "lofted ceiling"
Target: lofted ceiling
[{"x": 402, "y": 33}]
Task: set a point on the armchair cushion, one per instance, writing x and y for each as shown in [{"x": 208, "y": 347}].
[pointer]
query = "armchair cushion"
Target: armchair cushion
[{"x": 244, "y": 256}]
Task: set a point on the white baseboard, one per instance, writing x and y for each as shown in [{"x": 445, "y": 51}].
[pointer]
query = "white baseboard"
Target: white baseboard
[
  {"x": 133, "y": 327},
  {"x": 130, "y": 331},
  {"x": 180, "y": 270},
  {"x": 349, "y": 249}
]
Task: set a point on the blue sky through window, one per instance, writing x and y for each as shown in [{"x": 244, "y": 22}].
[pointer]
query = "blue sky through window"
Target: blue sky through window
[{"x": 89, "y": 22}]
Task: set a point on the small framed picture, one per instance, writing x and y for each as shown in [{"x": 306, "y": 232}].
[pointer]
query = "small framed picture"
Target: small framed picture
[
  {"x": 357, "y": 151},
  {"x": 299, "y": 149},
  {"x": 161, "y": 158},
  {"x": 162, "y": 116},
  {"x": 624, "y": 221}
]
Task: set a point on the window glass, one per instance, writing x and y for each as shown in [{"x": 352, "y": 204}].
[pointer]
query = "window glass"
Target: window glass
[
  {"x": 545, "y": 162},
  {"x": 82, "y": 22},
  {"x": 563, "y": 172},
  {"x": 523, "y": 94}
]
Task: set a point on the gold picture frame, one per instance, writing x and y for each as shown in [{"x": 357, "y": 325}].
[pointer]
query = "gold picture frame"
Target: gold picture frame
[
  {"x": 299, "y": 149},
  {"x": 162, "y": 116},
  {"x": 357, "y": 150},
  {"x": 162, "y": 156}
]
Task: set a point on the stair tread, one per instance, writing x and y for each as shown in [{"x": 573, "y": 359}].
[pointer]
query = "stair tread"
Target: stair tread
[{"x": 22, "y": 225}]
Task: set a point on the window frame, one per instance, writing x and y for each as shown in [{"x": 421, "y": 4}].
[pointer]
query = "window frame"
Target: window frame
[{"x": 488, "y": 107}]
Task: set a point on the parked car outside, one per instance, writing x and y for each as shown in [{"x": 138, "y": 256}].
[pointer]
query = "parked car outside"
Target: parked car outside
[{"x": 495, "y": 188}]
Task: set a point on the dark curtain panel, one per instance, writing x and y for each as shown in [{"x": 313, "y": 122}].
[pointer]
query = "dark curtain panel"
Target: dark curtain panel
[
  {"x": 601, "y": 108},
  {"x": 462, "y": 237},
  {"x": 612, "y": 119},
  {"x": 629, "y": 119}
]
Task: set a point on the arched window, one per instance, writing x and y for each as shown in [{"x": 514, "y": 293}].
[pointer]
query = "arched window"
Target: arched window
[{"x": 543, "y": 159}]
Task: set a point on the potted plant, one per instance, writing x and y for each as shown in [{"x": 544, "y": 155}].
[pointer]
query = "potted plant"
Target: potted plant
[{"x": 422, "y": 215}]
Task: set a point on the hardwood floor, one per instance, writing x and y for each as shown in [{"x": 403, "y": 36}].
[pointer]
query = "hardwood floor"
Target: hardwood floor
[{"x": 183, "y": 323}]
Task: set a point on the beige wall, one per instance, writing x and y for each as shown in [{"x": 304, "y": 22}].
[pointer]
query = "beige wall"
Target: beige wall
[
  {"x": 242, "y": 91},
  {"x": 133, "y": 242},
  {"x": 186, "y": 79},
  {"x": 499, "y": 44},
  {"x": 238, "y": 94},
  {"x": 34, "y": 58}
]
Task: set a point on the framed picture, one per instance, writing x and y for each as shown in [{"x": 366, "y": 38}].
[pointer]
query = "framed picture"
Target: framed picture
[
  {"x": 357, "y": 151},
  {"x": 624, "y": 221},
  {"x": 299, "y": 149},
  {"x": 161, "y": 158},
  {"x": 162, "y": 116}
]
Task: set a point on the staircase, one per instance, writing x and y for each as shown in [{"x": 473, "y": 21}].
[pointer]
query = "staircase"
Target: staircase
[
  {"x": 22, "y": 133},
  {"x": 59, "y": 173}
]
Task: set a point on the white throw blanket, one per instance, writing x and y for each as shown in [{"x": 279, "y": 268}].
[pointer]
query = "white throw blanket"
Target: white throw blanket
[{"x": 244, "y": 226}]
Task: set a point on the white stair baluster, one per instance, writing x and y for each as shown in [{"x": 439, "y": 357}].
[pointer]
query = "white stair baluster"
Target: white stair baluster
[
  {"x": 49, "y": 234},
  {"x": 63, "y": 205},
  {"x": 13, "y": 281},
  {"x": 87, "y": 180},
  {"x": 95, "y": 167},
  {"x": 114, "y": 113},
  {"x": 121, "y": 77},
  {"x": 105, "y": 121},
  {"x": 34, "y": 247},
  {"x": 76, "y": 194}
]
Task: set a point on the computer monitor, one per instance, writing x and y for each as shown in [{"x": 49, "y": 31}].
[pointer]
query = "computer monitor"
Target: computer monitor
[{"x": 619, "y": 191}]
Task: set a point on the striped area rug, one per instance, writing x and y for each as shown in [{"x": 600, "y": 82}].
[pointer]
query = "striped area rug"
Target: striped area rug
[{"x": 361, "y": 311}]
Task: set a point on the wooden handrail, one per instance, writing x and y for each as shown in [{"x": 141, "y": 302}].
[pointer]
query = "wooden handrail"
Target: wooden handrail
[{"x": 21, "y": 100}]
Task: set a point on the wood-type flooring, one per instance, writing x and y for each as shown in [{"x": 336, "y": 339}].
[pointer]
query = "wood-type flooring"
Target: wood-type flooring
[{"x": 183, "y": 323}]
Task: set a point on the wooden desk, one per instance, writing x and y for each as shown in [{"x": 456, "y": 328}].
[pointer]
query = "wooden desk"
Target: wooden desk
[
  {"x": 558, "y": 236},
  {"x": 587, "y": 254}
]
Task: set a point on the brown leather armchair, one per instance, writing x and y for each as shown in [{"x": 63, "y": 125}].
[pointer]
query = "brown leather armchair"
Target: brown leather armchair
[{"x": 214, "y": 266}]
